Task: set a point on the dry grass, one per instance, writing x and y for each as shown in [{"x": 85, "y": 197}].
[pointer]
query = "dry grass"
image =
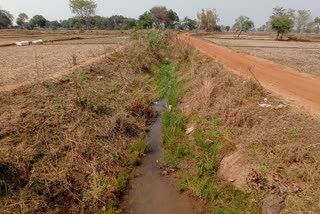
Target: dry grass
[
  {"x": 67, "y": 145},
  {"x": 282, "y": 146}
]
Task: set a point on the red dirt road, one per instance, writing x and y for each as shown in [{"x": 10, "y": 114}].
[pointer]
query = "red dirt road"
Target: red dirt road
[{"x": 303, "y": 89}]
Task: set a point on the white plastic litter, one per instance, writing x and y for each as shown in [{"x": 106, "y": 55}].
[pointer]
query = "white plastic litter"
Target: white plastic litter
[
  {"x": 39, "y": 41},
  {"x": 22, "y": 43},
  {"x": 190, "y": 130},
  {"x": 281, "y": 106},
  {"x": 265, "y": 105}
]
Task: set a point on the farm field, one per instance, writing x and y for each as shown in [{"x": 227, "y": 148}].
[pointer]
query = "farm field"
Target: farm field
[
  {"x": 301, "y": 56},
  {"x": 34, "y": 62}
]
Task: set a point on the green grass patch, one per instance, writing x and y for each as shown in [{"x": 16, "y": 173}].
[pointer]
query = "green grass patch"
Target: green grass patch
[
  {"x": 137, "y": 149},
  {"x": 164, "y": 79},
  {"x": 205, "y": 147},
  {"x": 222, "y": 196},
  {"x": 122, "y": 180}
]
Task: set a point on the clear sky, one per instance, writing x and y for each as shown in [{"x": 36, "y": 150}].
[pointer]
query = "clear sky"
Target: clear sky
[{"x": 258, "y": 10}]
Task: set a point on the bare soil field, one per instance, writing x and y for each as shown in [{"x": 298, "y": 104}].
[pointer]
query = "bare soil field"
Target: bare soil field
[
  {"x": 301, "y": 56},
  {"x": 34, "y": 62},
  {"x": 12, "y": 36}
]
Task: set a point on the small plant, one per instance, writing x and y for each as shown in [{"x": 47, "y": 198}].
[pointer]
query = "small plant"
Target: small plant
[
  {"x": 293, "y": 133},
  {"x": 228, "y": 83},
  {"x": 137, "y": 149},
  {"x": 122, "y": 180},
  {"x": 82, "y": 75},
  {"x": 164, "y": 79},
  {"x": 74, "y": 59},
  {"x": 254, "y": 89},
  {"x": 155, "y": 39}
]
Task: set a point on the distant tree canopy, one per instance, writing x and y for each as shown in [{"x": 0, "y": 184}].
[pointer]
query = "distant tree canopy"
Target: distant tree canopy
[
  {"x": 282, "y": 20},
  {"x": 207, "y": 19},
  {"x": 163, "y": 17},
  {"x": 145, "y": 21},
  {"x": 54, "y": 24},
  {"x": 37, "y": 21},
  {"x": 243, "y": 24},
  {"x": 303, "y": 19},
  {"x": 173, "y": 19},
  {"x": 5, "y": 19},
  {"x": 282, "y": 24},
  {"x": 22, "y": 20},
  {"x": 160, "y": 16},
  {"x": 83, "y": 9},
  {"x": 317, "y": 23},
  {"x": 187, "y": 24},
  {"x": 116, "y": 22}
]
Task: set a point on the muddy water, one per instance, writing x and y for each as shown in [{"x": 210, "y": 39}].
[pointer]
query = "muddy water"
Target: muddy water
[{"x": 151, "y": 192}]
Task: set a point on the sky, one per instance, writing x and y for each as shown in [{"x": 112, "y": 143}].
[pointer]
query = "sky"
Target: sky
[{"x": 228, "y": 10}]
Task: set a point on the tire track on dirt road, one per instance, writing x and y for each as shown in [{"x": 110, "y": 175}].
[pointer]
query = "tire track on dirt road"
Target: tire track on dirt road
[{"x": 301, "y": 88}]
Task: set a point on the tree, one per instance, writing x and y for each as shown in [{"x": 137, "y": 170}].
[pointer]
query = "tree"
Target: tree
[
  {"x": 188, "y": 24},
  {"x": 173, "y": 18},
  {"x": 83, "y": 9},
  {"x": 282, "y": 24},
  {"x": 129, "y": 23},
  {"x": 243, "y": 24},
  {"x": 207, "y": 19},
  {"x": 304, "y": 17},
  {"x": 22, "y": 20},
  {"x": 115, "y": 22},
  {"x": 5, "y": 19},
  {"x": 317, "y": 22},
  {"x": 37, "y": 21},
  {"x": 98, "y": 22},
  {"x": 227, "y": 28},
  {"x": 54, "y": 25},
  {"x": 160, "y": 16},
  {"x": 145, "y": 21}
]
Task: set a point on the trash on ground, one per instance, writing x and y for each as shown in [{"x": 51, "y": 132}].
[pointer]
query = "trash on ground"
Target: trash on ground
[
  {"x": 277, "y": 107},
  {"x": 190, "y": 130},
  {"x": 265, "y": 105},
  {"x": 22, "y": 43},
  {"x": 39, "y": 41}
]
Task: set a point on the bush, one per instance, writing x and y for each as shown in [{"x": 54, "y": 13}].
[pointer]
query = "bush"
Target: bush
[{"x": 155, "y": 40}]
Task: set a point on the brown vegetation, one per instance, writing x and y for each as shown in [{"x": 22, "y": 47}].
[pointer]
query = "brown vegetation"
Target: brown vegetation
[
  {"x": 277, "y": 148},
  {"x": 67, "y": 144}
]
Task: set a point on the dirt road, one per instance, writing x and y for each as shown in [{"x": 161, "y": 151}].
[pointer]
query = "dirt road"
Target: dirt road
[{"x": 301, "y": 88}]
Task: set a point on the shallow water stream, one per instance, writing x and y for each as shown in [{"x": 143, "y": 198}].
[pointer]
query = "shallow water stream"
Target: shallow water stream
[{"x": 151, "y": 192}]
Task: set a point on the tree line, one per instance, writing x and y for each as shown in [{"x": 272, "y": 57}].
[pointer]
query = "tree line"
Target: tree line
[{"x": 282, "y": 20}]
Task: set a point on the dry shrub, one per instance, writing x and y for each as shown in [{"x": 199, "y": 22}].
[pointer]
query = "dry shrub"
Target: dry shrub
[{"x": 282, "y": 142}]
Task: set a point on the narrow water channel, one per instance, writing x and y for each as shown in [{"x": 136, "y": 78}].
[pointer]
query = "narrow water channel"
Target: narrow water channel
[{"x": 151, "y": 192}]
